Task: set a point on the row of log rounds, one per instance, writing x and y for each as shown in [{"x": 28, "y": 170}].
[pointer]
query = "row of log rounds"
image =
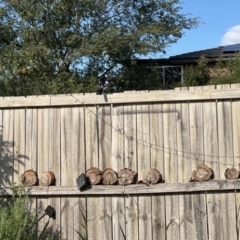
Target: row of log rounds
[
  {"x": 152, "y": 176},
  {"x": 124, "y": 177},
  {"x": 205, "y": 173},
  {"x": 30, "y": 178}
]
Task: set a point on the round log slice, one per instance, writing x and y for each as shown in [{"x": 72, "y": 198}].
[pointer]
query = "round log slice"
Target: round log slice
[
  {"x": 47, "y": 179},
  {"x": 94, "y": 175},
  {"x": 203, "y": 173},
  {"x": 152, "y": 176},
  {"x": 29, "y": 178},
  {"x": 231, "y": 173},
  {"x": 126, "y": 176},
  {"x": 109, "y": 177}
]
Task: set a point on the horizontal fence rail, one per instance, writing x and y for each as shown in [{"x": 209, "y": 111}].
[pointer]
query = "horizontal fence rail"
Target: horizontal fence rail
[
  {"x": 137, "y": 189},
  {"x": 187, "y": 94}
]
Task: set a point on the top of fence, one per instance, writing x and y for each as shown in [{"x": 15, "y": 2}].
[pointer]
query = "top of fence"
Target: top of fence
[{"x": 212, "y": 92}]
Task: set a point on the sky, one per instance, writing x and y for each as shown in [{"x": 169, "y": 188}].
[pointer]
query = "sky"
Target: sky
[{"x": 220, "y": 26}]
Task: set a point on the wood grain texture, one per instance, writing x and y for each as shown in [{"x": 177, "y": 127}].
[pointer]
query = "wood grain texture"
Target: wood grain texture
[
  {"x": 200, "y": 218},
  {"x": 144, "y": 163},
  {"x": 211, "y": 137},
  {"x": 118, "y": 162},
  {"x": 31, "y": 139},
  {"x": 130, "y": 161},
  {"x": 20, "y": 158},
  {"x": 105, "y": 161},
  {"x": 172, "y": 131},
  {"x": 7, "y": 150},
  {"x": 206, "y": 93},
  {"x": 91, "y": 160},
  {"x": 135, "y": 189},
  {"x": 157, "y": 161},
  {"x": 215, "y": 224}
]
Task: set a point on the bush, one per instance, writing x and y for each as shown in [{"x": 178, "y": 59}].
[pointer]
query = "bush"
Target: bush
[
  {"x": 197, "y": 75},
  {"x": 227, "y": 73},
  {"x": 17, "y": 218}
]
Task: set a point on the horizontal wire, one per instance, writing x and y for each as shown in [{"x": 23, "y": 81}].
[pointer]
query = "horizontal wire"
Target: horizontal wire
[{"x": 163, "y": 149}]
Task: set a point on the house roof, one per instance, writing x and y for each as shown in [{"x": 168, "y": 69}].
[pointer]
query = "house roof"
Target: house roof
[
  {"x": 208, "y": 53},
  {"x": 211, "y": 54}
]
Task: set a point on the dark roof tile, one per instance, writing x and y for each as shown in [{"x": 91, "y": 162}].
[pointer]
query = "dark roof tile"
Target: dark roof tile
[{"x": 207, "y": 53}]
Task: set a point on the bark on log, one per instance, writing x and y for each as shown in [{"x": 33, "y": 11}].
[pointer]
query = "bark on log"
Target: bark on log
[
  {"x": 126, "y": 176},
  {"x": 47, "y": 179},
  {"x": 231, "y": 173},
  {"x": 203, "y": 173},
  {"x": 94, "y": 175},
  {"x": 152, "y": 176},
  {"x": 109, "y": 177},
  {"x": 29, "y": 178},
  {"x": 143, "y": 182}
]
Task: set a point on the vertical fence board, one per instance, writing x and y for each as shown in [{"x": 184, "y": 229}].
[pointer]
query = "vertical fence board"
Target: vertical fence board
[
  {"x": 171, "y": 170},
  {"x": 54, "y": 164},
  {"x": 184, "y": 169},
  {"x": 144, "y": 164},
  {"x": 31, "y": 138},
  {"x": 67, "y": 170},
  {"x": 157, "y": 161},
  {"x": 237, "y": 207},
  {"x": 105, "y": 161},
  {"x": 7, "y": 150},
  {"x": 43, "y": 159},
  {"x": 20, "y": 158},
  {"x": 225, "y": 140},
  {"x": 236, "y": 154},
  {"x": 91, "y": 149},
  {"x": 196, "y": 134},
  {"x": 211, "y": 137},
  {"x": 215, "y": 209},
  {"x": 118, "y": 203},
  {"x": 197, "y": 157},
  {"x": 105, "y": 137},
  {"x": 170, "y": 143},
  {"x": 200, "y": 219},
  {"x": 130, "y": 153},
  {"x": 72, "y": 160}
]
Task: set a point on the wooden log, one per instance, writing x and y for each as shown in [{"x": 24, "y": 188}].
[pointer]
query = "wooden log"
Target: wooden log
[
  {"x": 231, "y": 173},
  {"x": 152, "y": 176},
  {"x": 203, "y": 173},
  {"x": 94, "y": 175},
  {"x": 126, "y": 176},
  {"x": 109, "y": 177},
  {"x": 29, "y": 178},
  {"x": 47, "y": 179}
]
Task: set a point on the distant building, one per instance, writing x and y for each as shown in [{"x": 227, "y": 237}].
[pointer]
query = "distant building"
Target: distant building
[{"x": 171, "y": 69}]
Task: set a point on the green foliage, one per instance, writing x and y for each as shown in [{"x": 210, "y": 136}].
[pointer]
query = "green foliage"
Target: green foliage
[
  {"x": 83, "y": 227},
  {"x": 61, "y": 46},
  {"x": 16, "y": 216},
  {"x": 227, "y": 72},
  {"x": 18, "y": 219},
  {"x": 197, "y": 75}
]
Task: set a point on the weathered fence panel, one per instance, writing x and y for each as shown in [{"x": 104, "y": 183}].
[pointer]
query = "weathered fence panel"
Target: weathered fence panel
[{"x": 172, "y": 131}]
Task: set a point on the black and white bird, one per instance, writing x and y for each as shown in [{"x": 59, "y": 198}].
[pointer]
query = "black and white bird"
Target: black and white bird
[{"x": 103, "y": 82}]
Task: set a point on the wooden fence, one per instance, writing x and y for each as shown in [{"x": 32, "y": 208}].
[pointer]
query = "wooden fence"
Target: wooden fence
[{"x": 172, "y": 131}]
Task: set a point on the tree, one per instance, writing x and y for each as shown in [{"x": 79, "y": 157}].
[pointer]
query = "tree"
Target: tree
[
  {"x": 61, "y": 46},
  {"x": 197, "y": 75}
]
